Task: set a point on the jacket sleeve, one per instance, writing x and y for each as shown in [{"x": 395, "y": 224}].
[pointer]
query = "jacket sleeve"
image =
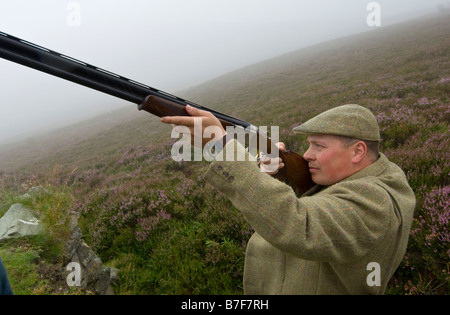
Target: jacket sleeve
[{"x": 336, "y": 225}]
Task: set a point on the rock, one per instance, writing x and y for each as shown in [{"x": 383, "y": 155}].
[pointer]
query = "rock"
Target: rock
[
  {"x": 94, "y": 276},
  {"x": 19, "y": 221}
]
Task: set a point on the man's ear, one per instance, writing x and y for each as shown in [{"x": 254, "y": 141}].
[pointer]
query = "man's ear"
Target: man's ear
[{"x": 359, "y": 152}]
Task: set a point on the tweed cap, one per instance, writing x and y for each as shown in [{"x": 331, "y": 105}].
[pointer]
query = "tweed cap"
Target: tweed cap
[{"x": 350, "y": 120}]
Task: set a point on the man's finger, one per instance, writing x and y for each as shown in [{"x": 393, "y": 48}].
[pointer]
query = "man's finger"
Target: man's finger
[
  {"x": 268, "y": 160},
  {"x": 197, "y": 112},
  {"x": 281, "y": 146},
  {"x": 186, "y": 120},
  {"x": 178, "y": 120}
]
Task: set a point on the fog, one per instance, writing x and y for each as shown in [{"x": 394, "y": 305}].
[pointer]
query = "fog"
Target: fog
[{"x": 168, "y": 44}]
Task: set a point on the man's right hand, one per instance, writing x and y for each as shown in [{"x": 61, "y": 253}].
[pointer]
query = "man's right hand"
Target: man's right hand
[{"x": 266, "y": 160}]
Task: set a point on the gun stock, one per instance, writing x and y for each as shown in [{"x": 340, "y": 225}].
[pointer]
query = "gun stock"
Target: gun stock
[{"x": 295, "y": 172}]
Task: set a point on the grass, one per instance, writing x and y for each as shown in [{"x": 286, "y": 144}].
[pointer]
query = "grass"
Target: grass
[
  {"x": 29, "y": 271},
  {"x": 22, "y": 270},
  {"x": 35, "y": 265},
  {"x": 170, "y": 233}
]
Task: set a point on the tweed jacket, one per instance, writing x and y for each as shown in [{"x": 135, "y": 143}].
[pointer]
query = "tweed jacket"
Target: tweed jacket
[{"x": 327, "y": 240}]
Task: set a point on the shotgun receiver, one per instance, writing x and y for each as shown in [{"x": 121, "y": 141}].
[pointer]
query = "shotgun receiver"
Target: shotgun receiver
[{"x": 295, "y": 173}]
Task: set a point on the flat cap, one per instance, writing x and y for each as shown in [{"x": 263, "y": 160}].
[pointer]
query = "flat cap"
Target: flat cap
[{"x": 350, "y": 120}]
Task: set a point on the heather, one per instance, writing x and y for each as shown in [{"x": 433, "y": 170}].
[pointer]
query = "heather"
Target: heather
[
  {"x": 169, "y": 232},
  {"x": 420, "y": 144},
  {"x": 164, "y": 224}
]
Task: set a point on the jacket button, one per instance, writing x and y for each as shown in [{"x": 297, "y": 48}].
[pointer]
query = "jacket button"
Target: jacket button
[
  {"x": 225, "y": 174},
  {"x": 219, "y": 168},
  {"x": 231, "y": 179}
]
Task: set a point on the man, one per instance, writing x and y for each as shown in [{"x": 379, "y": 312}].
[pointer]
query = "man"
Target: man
[
  {"x": 346, "y": 235},
  {"x": 5, "y": 288}
]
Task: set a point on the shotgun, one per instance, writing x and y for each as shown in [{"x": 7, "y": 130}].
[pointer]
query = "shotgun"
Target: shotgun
[{"x": 157, "y": 102}]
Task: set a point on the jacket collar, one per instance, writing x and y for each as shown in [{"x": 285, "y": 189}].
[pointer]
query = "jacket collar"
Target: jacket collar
[{"x": 374, "y": 169}]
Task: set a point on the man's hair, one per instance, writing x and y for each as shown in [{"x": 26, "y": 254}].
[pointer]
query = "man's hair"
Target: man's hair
[{"x": 373, "y": 147}]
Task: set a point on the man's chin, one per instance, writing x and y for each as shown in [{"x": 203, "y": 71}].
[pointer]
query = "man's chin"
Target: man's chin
[
  {"x": 319, "y": 181},
  {"x": 315, "y": 179}
]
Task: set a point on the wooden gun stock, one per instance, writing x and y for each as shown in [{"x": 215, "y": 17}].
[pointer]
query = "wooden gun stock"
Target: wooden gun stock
[{"x": 295, "y": 172}]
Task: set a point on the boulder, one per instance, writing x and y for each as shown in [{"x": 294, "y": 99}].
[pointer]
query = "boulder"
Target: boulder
[
  {"x": 94, "y": 276},
  {"x": 19, "y": 221}
]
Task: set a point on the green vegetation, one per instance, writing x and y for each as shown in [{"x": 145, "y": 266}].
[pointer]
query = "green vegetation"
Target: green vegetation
[
  {"x": 22, "y": 270},
  {"x": 35, "y": 264},
  {"x": 170, "y": 233}
]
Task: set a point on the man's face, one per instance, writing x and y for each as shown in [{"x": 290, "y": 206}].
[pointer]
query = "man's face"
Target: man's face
[{"x": 329, "y": 160}]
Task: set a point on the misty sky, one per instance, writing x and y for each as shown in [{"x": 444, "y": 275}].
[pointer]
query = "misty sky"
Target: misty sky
[{"x": 168, "y": 44}]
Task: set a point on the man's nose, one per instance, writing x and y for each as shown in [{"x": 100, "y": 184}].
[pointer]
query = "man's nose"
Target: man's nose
[{"x": 308, "y": 155}]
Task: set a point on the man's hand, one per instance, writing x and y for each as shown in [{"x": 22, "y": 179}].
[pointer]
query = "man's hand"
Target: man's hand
[
  {"x": 208, "y": 120},
  {"x": 265, "y": 161}
]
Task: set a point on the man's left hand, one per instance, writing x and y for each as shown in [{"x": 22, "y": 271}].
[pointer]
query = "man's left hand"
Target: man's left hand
[{"x": 207, "y": 120}]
